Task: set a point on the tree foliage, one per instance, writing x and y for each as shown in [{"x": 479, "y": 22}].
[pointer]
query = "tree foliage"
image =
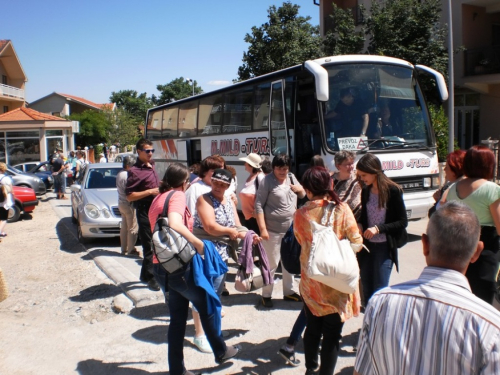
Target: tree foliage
[
  {"x": 124, "y": 127},
  {"x": 440, "y": 124},
  {"x": 132, "y": 102},
  {"x": 95, "y": 127},
  {"x": 285, "y": 40},
  {"x": 343, "y": 39},
  {"x": 410, "y": 30},
  {"x": 176, "y": 89}
]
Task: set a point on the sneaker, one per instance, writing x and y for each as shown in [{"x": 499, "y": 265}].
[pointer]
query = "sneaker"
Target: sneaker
[
  {"x": 293, "y": 297},
  {"x": 289, "y": 357},
  {"x": 202, "y": 344},
  {"x": 267, "y": 302}
]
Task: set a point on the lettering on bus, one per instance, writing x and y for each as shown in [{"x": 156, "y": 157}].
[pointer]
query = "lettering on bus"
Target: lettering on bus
[
  {"x": 226, "y": 147},
  {"x": 419, "y": 163},
  {"x": 257, "y": 145},
  {"x": 392, "y": 165}
]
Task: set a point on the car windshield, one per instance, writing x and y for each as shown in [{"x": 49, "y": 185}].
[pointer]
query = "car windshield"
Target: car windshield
[
  {"x": 382, "y": 101},
  {"x": 102, "y": 178},
  {"x": 14, "y": 170}
]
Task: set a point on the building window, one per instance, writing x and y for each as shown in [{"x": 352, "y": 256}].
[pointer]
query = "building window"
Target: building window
[
  {"x": 4, "y": 79},
  {"x": 5, "y": 108}
]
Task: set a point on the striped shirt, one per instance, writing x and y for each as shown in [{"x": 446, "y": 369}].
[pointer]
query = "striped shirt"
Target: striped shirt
[{"x": 432, "y": 325}]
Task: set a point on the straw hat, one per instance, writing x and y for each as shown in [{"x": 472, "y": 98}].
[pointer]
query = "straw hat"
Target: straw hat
[{"x": 253, "y": 159}]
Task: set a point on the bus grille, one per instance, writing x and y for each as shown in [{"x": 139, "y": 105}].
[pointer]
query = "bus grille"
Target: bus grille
[{"x": 410, "y": 184}]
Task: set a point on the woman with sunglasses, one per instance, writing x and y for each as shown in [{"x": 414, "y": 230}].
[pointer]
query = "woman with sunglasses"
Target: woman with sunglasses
[{"x": 181, "y": 284}]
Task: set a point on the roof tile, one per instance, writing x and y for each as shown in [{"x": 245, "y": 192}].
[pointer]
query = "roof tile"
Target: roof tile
[{"x": 28, "y": 114}]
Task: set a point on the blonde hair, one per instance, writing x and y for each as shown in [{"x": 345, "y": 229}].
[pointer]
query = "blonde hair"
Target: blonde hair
[{"x": 3, "y": 167}]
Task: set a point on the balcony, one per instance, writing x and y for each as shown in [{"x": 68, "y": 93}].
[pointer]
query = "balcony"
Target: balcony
[
  {"x": 481, "y": 61},
  {"x": 7, "y": 92}
]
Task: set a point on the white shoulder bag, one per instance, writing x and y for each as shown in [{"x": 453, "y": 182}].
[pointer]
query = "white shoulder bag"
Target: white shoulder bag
[{"x": 332, "y": 261}]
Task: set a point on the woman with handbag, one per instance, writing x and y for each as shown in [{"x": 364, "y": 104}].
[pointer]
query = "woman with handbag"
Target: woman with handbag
[
  {"x": 181, "y": 284},
  {"x": 483, "y": 197},
  {"x": 383, "y": 224},
  {"x": 8, "y": 201},
  {"x": 326, "y": 308},
  {"x": 247, "y": 194}
]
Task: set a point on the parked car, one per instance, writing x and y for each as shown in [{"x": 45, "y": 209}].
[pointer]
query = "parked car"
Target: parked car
[
  {"x": 119, "y": 157},
  {"x": 94, "y": 202},
  {"x": 25, "y": 201},
  {"x": 26, "y": 180},
  {"x": 42, "y": 169}
]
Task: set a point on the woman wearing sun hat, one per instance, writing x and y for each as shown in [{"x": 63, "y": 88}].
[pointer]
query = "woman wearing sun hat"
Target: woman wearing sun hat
[{"x": 253, "y": 164}]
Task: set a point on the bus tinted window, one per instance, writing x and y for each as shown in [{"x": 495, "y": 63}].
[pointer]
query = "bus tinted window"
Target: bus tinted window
[
  {"x": 238, "y": 111},
  {"x": 169, "y": 122},
  {"x": 210, "y": 118},
  {"x": 188, "y": 114},
  {"x": 380, "y": 102},
  {"x": 261, "y": 107},
  {"x": 154, "y": 125}
]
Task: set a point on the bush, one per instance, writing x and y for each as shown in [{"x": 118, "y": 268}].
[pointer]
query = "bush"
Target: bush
[{"x": 440, "y": 124}]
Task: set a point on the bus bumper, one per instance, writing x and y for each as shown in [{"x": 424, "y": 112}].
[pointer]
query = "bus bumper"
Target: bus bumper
[{"x": 418, "y": 204}]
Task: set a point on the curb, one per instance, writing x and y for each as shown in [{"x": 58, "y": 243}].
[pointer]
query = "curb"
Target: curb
[{"x": 128, "y": 282}]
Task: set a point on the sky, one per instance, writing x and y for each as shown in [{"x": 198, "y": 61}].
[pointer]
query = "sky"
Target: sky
[{"x": 91, "y": 48}]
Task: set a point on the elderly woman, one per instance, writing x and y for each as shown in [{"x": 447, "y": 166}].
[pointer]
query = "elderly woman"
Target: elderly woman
[
  {"x": 182, "y": 287},
  {"x": 345, "y": 182},
  {"x": 8, "y": 201},
  {"x": 247, "y": 194},
  {"x": 483, "y": 197},
  {"x": 275, "y": 204},
  {"x": 326, "y": 308},
  {"x": 129, "y": 229},
  {"x": 217, "y": 216},
  {"x": 204, "y": 184}
]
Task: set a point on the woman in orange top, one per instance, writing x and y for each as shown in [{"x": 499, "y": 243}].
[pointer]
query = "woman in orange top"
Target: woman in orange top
[{"x": 326, "y": 308}]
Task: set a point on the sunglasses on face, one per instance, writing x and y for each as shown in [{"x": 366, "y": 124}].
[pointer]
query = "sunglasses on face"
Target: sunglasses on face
[{"x": 150, "y": 151}]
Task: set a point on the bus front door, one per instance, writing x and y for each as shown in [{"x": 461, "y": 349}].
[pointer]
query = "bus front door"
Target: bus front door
[{"x": 277, "y": 123}]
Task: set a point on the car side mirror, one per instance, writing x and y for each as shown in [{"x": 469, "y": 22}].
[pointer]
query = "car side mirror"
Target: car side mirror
[{"x": 75, "y": 188}]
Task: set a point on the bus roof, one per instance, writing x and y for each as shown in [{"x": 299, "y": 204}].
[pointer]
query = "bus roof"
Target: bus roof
[{"x": 299, "y": 67}]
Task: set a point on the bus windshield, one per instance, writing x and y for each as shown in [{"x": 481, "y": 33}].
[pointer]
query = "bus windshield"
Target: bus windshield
[{"x": 374, "y": 107}]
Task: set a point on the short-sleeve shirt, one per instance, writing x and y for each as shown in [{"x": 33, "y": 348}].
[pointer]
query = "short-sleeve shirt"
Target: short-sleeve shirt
[
  {"x": 479, "y": 200},
  {"x": 247, "y": 196},
  {"x": 121, "y": 184},
  {"x": 57, "y": 164},
  {"x": 177, "y": 203},
  {"x": 141, "y": 178}
]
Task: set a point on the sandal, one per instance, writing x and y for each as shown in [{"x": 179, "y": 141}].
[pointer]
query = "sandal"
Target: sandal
[
  {"x": 231, "y": 351},
  {"x": 3, "y": 234}
]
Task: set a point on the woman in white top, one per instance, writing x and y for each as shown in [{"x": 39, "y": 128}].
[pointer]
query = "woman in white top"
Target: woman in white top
[
  {"x": 8, "y": 202},
  {"x": 247, "y": 194}
]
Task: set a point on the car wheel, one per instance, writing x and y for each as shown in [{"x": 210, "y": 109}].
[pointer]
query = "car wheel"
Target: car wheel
[
  {"x": 73, "y": 217},
  {"x": 14, "y": 214},
  {"x": 82, "y": 239}
]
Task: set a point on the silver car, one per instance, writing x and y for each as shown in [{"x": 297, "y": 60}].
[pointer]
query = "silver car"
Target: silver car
[
  {"x": 30, "y": 180},
  {"x": 94, "y": 203}
]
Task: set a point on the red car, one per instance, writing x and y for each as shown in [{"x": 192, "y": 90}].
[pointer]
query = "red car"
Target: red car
[{"x": 24, "y": 202}]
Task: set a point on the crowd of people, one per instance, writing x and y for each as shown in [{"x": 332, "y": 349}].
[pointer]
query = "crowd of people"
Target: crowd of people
[{"x": 368, "y": 209}]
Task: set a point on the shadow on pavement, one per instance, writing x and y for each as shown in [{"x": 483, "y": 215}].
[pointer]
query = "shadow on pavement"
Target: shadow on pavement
[
  {"x": 98, "y": 367},
  {"x": 96, "y": 292},
  {"x": 156, "y": 334},
  {"x": 69, "y": 242},
  {"x": 347, "y": 371},
  {"x": 151, "y": 312},
  {"x": 414, "y": 237}
]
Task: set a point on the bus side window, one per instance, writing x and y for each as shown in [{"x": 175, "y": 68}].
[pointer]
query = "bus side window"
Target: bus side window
[
  {"x": 261, "y": 107},
  {"x": 210, "y": 115},
  {"x": 169, "y": 122},
  {"x": 238, "y": 111},
  {"x": 188, "y": 114}
]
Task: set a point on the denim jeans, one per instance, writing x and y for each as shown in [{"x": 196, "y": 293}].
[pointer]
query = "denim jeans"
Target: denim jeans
[
  {"x": 298, "y": 328},
  {"x": 182, "y": 290},
  {"x": 375, "y": 269},
  {"x": 328, "y": 327}
]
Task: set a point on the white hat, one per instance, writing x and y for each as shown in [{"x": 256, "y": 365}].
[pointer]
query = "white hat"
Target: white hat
[
  {"x": 101, "y": 154},
  {"x": 253, "y": 159}
]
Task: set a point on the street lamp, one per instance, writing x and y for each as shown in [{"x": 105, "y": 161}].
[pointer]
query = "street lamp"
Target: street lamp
[
  {"x": 192, "y": 81},
  {"x": 451, "y": 89}
]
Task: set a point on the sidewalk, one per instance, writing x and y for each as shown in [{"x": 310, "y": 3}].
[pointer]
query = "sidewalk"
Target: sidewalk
[{"x": 123, "y": 271}]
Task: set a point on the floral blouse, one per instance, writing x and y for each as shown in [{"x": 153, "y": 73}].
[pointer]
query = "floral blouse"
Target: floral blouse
[
  {"x": 224, "y": 215},
  {"x": 320, "y": 298}
]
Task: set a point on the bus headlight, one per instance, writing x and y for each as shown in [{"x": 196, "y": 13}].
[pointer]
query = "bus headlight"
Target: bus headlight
[{"x": 427, "y": 182}]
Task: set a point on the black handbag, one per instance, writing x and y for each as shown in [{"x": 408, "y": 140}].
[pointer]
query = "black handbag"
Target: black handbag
[{"x": 290, "y": 252}]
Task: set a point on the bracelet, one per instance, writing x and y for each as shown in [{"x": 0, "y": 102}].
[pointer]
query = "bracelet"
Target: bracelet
[{"x": 378, "y": 230}]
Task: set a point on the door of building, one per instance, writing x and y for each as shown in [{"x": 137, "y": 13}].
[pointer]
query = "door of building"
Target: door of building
[{"x": 467, "y": 126}]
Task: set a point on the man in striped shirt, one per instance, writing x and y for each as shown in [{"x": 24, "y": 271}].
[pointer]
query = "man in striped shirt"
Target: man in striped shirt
[{"x": 434, "y": 325}]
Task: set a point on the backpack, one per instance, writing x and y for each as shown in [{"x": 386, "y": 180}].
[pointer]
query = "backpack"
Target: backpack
[
  {"x": 290, "y": 252},
  {"x": 332, "y": 261},
  {"x": 172, "y": 249},
  {"x": 3, "y": 194}
]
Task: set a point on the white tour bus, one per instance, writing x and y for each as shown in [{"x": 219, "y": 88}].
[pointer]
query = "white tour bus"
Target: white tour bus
[{"x": 292, "y": 111}]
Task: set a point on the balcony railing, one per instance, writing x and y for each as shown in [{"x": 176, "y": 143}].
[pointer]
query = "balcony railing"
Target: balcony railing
[
  {"x": 12, "y": 92},
  {"x": 482, "y": 61}
]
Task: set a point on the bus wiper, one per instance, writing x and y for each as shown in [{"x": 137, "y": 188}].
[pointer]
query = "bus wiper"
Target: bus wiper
[
  {"x": 406, "y": 143},
  {"x": 370, "y": 143}
]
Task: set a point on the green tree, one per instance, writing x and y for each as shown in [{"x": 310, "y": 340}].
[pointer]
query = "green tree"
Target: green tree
[
  {"x": 285, "y": 40},
  {"x": 176, "y": 89},
  {"x": 124, "y": 127},
  {"x": 132, "y": 102},
  {"x": 343, "y": 39},
  {"x": 441, "y": 131},
  {"x": 95, "y": 127},
  {"x": 410, "y": 30}
]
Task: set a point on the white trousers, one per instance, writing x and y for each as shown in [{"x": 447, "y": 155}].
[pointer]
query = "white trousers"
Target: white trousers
[
  {"x": 272, "y": 247},
  {"x": 129, "y": 230}
]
